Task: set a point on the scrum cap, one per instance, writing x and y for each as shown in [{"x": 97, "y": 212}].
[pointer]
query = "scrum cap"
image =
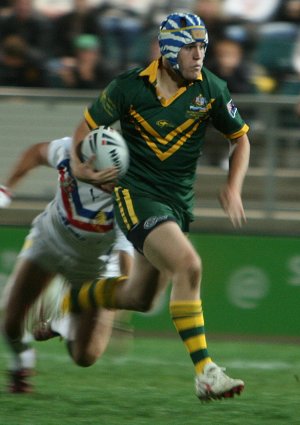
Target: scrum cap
[{"x": 178, "y": 30}]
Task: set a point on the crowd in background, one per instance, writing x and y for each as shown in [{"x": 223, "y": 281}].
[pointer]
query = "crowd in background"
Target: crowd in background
[{"x": 82, "y": 44}]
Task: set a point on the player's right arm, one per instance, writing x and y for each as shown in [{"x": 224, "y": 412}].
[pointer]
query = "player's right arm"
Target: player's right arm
[
  {"x": 84, "y": 171},
  {"x": 103, "y": 111},
  {"x": 35, "y": 156}
]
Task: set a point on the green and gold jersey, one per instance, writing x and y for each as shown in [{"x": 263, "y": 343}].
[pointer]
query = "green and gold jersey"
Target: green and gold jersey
[{"x": 165, "y": 137}]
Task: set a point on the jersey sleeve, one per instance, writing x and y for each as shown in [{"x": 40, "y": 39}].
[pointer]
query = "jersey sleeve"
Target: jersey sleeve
[
  {"x": 226, "y": 117},
  {"x": 59, "y": 150},
  {"x": 107, "y": 108}
]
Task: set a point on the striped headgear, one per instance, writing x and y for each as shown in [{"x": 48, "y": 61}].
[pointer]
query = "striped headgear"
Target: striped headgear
[{"x": 178, "y": 30}]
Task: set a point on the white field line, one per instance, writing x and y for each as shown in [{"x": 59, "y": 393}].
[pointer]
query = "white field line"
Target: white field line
[
  {"x": 133, "y": 359},
  {"x": 251, "y": 214}
]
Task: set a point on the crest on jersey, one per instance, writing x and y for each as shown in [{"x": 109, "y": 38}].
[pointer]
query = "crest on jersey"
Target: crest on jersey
[
  {"x": 198, "y": 108},
  {"x": 66, "y": 182},
  {"x": 199, "y": 104}
]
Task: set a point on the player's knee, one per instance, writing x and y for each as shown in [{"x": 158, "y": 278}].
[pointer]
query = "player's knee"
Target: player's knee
[
  {"x": 191, "y": 261},
  {"x": 195, "y": 271},
  {"x": 85, "y": 360},
  {"x": 11, "y": 327},
  {"x": 189, "y": 268},
  {"x": 82, "y": 358},
  {"x": 140, "y": 304}
]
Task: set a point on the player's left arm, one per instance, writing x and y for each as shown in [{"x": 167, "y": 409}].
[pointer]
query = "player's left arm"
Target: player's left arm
[{"x": 231, "y": 193}]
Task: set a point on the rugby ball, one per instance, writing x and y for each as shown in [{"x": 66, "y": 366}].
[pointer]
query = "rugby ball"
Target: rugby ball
[{"x": 109, "y": 147}]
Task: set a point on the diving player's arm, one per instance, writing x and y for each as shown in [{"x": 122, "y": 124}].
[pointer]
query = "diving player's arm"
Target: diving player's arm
[{"x": 35, "y": 156}]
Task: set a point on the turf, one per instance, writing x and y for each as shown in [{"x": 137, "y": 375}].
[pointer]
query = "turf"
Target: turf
[{"x": 151, "y": 383}]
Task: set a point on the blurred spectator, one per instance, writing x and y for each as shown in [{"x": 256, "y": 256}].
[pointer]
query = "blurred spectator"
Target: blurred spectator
[
  {"x": 274, "y": 48},
  {"x": 18, "y": 67},
  {"x": 86, "y": 70},
  {"x": 159, "y": 9},
  {"x": 212, "y": 14},
  {"x": 141, "y": 56},
  {"x": 289, "y": 11},
  {"x": 5, "y": 7},
  {"x": 53, "y": 8},
  {"x": 229, "y": 64},
  {"x": 81, "y": 20},
  {"x": 27, "y": 24},
  {"x": 255, "y": 11},
  {"x": 120, "y": 27}
]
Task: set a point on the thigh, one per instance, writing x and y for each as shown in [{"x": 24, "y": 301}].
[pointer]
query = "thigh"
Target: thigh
[
  {"x": 141, "y": 287},
  {"x": 26, "y": 283},
  {"x": 168, "y": 249}
]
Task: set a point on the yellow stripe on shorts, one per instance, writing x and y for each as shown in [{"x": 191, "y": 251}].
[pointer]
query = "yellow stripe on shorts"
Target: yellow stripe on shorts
[{"x": 126, "y": 208}]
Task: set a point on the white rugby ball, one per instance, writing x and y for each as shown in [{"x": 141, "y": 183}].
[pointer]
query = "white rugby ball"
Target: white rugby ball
[{"x": 109, "y": 147}]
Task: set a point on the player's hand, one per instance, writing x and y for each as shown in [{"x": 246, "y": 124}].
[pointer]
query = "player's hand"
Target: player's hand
[
  {"x": 107, "y": 187},
  {"x": 85, "y": 172},
  {"x": 5, "y": 197},
  {"x": 231, "y": 202}
]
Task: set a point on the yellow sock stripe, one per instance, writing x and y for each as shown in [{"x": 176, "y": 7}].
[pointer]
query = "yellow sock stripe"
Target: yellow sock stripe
[
  {"x": 183, "y": 308},
  {"x": 193, "y": 343},
  {"x": 184, "y": 323},
  {"x": 66, "y": 303},
  {"x": 98, "y": 292},
  {"x": 104, "y": 292},
  {"x": 200, "y": 365},
  {"x": 189, "y": 322},
  {"x": 84, "y": 302}
]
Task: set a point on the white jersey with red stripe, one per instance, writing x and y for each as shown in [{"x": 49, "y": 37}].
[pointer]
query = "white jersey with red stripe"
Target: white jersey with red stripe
[
  {"x": 84, "y": 208},
  {"x": 76, "y": 233}
]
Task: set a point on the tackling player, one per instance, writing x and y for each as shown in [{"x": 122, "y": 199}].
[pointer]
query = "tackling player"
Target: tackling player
[
  {"x": 164, "y": 111},
  {"x": 74, "y": 238}
]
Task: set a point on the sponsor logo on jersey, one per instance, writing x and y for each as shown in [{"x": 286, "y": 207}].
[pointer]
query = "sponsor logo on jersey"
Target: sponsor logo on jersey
[
  {"x": 164, "y": 123},
  {"x": 231, "y": 108}
]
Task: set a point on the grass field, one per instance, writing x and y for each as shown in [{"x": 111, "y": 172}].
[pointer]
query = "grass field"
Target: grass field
[{"x": 151, "y": 383}]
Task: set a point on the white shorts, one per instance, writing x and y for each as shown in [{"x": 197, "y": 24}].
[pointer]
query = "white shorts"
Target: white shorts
[{"x": 56, "y": 248}]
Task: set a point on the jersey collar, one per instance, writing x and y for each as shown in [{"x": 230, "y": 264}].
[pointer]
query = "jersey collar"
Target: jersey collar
[{"x": 151, "y": 71}]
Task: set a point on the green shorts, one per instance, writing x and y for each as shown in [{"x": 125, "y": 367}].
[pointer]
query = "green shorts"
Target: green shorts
[{"x": 138, "y": 215}]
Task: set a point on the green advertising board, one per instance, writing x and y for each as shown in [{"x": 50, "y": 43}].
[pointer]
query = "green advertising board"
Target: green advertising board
[{"x": 250, "y": 286}]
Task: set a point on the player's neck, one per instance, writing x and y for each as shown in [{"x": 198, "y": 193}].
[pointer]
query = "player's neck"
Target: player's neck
[{"x": 168, "y": 81}]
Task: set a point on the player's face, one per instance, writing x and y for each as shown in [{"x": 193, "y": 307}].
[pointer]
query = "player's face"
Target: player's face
[{"x": 190, "y": 60}]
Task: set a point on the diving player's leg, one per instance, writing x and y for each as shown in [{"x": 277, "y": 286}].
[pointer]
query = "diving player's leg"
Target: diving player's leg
[
  {"x": 25, "y": 286},
  {"x": 91, "y": 332}
]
